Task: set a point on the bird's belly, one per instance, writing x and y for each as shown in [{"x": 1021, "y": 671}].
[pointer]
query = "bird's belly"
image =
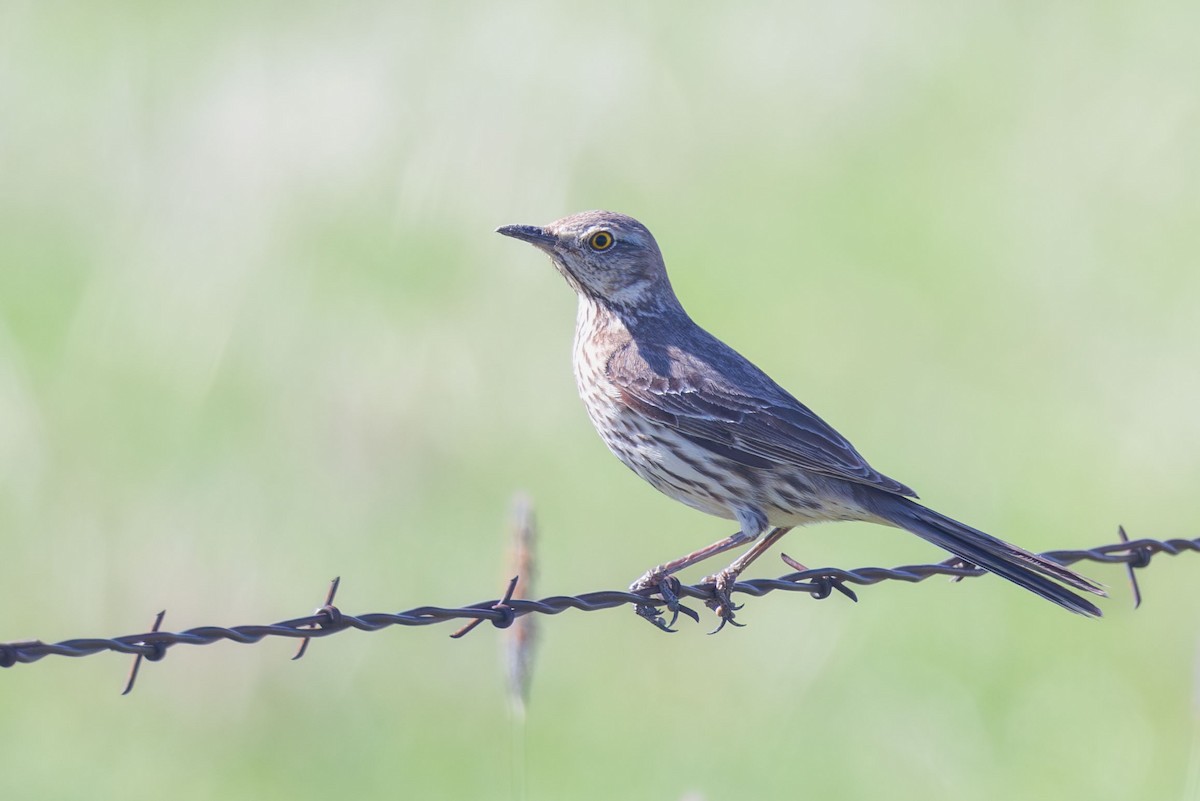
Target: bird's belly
[
  {"x": 671, "y": 464},
  {"x": 817, "y": 510}
]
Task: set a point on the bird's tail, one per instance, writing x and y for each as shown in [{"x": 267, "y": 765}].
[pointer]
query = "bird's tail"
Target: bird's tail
[{"x": 1019, "y": 566}]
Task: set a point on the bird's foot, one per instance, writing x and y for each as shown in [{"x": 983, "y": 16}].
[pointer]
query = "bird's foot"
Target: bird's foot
[
  {"x": 667, "y": 587},
  {"x": 720, "y": 602}
]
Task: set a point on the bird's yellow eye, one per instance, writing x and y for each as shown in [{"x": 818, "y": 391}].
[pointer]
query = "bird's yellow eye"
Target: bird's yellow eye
[{"x": 601, "y": 240}]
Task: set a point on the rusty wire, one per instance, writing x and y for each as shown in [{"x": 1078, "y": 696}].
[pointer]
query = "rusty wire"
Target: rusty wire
[{"x": 329, "y": 620}]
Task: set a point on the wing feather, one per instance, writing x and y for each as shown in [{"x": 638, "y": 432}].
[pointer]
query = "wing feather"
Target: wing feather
[{"x": 746, "y": 416}]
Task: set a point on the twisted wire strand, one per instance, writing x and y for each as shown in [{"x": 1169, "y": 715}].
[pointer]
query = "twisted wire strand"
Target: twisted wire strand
[{"x": 329, "y": 620}]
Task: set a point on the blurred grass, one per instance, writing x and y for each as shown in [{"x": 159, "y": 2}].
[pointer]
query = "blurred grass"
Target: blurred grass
[{"x": 255, "y": 331}]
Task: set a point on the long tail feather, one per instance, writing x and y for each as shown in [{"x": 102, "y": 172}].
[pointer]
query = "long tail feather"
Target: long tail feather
[{"x": 1015, "y": 564}]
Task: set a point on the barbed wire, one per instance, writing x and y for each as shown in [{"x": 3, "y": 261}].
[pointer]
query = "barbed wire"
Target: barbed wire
[{"x": 329, "y": 620}]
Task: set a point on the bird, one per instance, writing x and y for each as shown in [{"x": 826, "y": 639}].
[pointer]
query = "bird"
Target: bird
[{"x": 705, "y": 426}]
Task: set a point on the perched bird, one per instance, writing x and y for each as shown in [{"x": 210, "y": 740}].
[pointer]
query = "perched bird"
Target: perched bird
[{"x": 702, "y": 424}]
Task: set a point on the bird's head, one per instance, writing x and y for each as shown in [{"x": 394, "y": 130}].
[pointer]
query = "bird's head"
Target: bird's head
[{"x": 606, "y": 257}]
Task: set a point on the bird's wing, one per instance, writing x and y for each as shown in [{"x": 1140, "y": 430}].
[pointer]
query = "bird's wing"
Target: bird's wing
[{"x": 761, "y": 426}]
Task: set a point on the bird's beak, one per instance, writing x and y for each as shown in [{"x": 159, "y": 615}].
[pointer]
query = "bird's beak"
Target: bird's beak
[{"x": 535, "y": 235}]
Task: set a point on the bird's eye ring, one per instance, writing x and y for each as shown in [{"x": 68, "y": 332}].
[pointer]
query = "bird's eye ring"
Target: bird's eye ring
[{"x": 600, "y": 241}]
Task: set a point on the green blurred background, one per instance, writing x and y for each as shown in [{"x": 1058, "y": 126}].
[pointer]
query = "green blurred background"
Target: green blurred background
[{"x": 256, "y": 331}]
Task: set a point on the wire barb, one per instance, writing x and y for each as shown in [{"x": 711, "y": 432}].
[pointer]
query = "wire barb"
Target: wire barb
[
  {"x": 1141, "y": 559},
  {"x": 332, "y": 615},
  {"x": 503, "y": 620},
  {"x": 825, "y": 585},
  {"x": 158, "y": 652},
  {"x": 503, "y": 612}
]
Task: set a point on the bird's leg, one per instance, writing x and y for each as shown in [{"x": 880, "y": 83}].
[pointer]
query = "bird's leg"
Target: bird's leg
[
  {"x": 661, "y": 579},
  {"x": 653, "y": 577},
  {"x": 723, "y": 581}
]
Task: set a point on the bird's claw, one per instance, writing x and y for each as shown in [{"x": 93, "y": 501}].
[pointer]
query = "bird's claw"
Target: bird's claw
[
  {"x": 720, "y": 602},
  {"x": 666, "y": 586},
  {"x": 651, "y": 614}
]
